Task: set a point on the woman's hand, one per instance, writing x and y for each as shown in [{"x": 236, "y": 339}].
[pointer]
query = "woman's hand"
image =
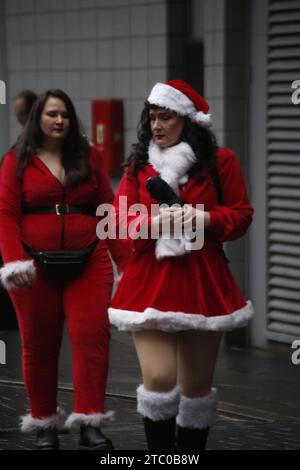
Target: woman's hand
[
  {"x": 195, "y": 218},
  {"x": 174, "y": 220},
  {"x": 168, "y": 221},
  {"x": 21, "y": 280}
]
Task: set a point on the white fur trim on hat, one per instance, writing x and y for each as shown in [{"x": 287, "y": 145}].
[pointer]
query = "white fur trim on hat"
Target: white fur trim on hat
[
  {"x": 199, "y": 412},
  {"x": 57, "y": 420},
  {"x": 166, "y": 96},
  {"x": 75, "y": 420},
  {"x": 158, "y": 405},
  {"x": 153, "y": 319},
  {"x": 15, "y": 267}
]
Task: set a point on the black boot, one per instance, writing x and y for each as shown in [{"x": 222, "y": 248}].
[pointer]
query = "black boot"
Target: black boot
[
  {"x": 191, "y": 439},
  {"x": 91, "y": 436},
  {"x": 160, "y": 435},
  {"x": 47, "y": 439}
]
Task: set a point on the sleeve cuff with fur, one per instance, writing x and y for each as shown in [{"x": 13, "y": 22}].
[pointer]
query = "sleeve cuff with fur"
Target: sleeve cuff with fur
[{"x": 15, "y": 267}]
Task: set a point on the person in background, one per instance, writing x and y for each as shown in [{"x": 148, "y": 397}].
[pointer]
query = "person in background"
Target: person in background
[
  {"x": 23, "y": 103},
  {"x": 51, "y": 183},
  {"x": 177, "y": 300}
]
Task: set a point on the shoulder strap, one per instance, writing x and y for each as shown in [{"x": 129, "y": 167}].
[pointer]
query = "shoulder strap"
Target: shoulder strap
[{"x": 216, "y": 180}]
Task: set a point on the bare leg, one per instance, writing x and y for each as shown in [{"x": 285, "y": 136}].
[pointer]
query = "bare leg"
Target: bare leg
[
  {"x": 197, "y": 355},
  {"x": 158, "y": 397},
  {"x": 157, "y": 354}
]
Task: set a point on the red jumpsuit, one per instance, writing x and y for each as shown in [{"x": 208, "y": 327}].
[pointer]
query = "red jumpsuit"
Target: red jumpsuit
[{"x": 83, "y": 301}]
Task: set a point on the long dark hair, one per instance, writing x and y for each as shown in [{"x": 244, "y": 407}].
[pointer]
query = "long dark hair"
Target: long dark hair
[
  {"x": 202, "y": 141},
  {"x": 75, "y": 146}
]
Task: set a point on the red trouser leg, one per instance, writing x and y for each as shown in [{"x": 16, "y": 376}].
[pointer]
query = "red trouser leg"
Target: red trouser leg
[
  {"x": 40, "y": 317},
  {"x": 86, "y": 300}
]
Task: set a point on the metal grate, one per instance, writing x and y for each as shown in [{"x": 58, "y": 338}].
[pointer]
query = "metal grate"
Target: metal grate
[{"x": 283, "y": 170}]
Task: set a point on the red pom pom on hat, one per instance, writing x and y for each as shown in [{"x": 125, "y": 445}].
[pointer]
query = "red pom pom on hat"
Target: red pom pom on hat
[{"x": 179, "y": 96}]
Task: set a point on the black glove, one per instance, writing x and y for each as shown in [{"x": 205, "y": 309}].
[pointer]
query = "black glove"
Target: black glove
[{"x": 160, "y": 190}]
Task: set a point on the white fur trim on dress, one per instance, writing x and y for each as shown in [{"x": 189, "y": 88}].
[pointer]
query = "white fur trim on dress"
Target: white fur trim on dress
[
  {"x": 199, "y": 412},
  {"x": 57, "y": 420},
  {"x": 153, "y": 319},
  {"x": 75, "y": 420},
  {"x": 166, "y": 96},
  {"x": 158, "y": 405},
  {"x": 15, "y": 267}
]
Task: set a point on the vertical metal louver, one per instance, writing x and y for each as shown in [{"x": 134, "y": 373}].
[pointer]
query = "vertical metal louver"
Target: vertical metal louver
[{"x": 283, "y": 165}]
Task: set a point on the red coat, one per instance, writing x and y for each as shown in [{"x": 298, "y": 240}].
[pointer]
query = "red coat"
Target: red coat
[
  {"x": 39, "y": 187},
  {"x": 197, "y": 290}
]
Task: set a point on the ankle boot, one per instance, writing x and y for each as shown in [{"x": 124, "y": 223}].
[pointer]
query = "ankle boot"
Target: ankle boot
[
  {"x": 91, "y": 436},
  {"x": 47, "y": 439},
  {"x": 160, "y": 435},
  {"x": 191, "y": 439}
]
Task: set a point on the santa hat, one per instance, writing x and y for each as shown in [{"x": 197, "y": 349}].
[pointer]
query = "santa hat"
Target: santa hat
[{"x": 178, "y": 96}]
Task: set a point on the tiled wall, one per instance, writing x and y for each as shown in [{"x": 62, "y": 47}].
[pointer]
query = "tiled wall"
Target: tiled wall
[
  {"x": 225, "y": 43},
  {"x": 89, "y": 48},
  {"x": 214, "y": 71}
]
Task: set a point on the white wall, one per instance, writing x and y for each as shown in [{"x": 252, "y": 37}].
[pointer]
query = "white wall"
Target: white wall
[{"x": 90, "y": 48}]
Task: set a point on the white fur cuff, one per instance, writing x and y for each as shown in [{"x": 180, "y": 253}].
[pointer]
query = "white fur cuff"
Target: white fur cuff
[
  {"x": 199, "y": 412},
  {"x": 28, "y": 423},
  {"x": 75, "y": 420},
  {"x": 158, "y": 406},
  {"x": 173, "y": 247},
  {"x": 15, "y": 267}
]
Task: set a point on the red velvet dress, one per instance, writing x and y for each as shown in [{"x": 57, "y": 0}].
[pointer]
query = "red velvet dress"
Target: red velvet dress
[{"x": 196, "y": 290}]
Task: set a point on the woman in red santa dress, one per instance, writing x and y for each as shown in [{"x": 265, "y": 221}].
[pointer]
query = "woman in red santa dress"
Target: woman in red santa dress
[
  {"x": 51, "y": 184},
  {"x": 177, "y": 300}
]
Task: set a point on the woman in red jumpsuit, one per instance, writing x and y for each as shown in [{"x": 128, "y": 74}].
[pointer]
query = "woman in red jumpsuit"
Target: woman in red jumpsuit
[
  {"x": 51, "y": 185},
  {"x": 177, "y": 299}
]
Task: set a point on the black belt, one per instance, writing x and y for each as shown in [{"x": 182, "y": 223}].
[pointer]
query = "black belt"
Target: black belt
[{"x": 59, "y": 209}]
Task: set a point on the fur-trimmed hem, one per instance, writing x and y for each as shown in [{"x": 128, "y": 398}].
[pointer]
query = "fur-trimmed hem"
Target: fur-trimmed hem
[
  {"x": 199, "y": 412},
  {"x": 158, "y": 406},
  {"x": 75, "y": 420},
  {"x": 57, "y": 421},
  {"x": 153, "y": 319},
  {"x": 15, "y": 267}
]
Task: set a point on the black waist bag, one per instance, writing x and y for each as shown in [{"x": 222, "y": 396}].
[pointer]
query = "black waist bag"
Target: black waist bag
[{"x": 63, "y": 265}]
